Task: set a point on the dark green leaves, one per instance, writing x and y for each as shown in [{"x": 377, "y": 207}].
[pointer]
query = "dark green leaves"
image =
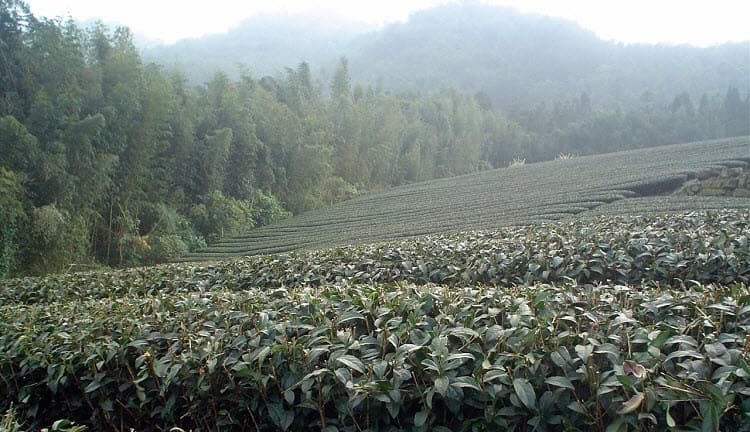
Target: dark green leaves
[
  {"x": 525, "y": 392},
  {"x": 559, "y": 381},
  {"x": 352, "y": 363}
]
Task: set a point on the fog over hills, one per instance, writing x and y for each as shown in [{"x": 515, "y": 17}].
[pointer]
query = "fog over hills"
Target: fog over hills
[
  {"x": 522, "y": 60},
  {"x": 518, "y": 60},
  {"x": 261, "y": 45}
]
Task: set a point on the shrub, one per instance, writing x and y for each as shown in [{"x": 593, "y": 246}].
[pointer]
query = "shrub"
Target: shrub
[
  {"x": 218, "y": 216},
  {"x": 58, "y": 239},
  {"x": 266, "y": 209}
]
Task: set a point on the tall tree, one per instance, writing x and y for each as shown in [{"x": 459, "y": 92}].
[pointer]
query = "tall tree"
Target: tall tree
[
  {"x": 736, "y": 114},
  {"x": 215, "y": 155},
  {"x": 15, "y": 94},
  {"x": 345, "y": 126},
  {"x": 11, "y": 217}
]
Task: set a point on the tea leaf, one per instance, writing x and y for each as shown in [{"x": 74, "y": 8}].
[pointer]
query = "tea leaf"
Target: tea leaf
[
  {"x": 631, "y": 404},
  {"x": 525, "y": 392},
  {"x": 560, "y": 381}
]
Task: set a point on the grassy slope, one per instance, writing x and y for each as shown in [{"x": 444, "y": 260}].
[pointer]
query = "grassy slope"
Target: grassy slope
[{"x": 492, "y": 199}]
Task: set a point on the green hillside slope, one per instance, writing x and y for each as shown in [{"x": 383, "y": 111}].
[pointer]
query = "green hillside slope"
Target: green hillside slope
[
  {"x": 514, "y": 196},
  {"x": 519, "y": 60},
  {"x": 522, "y": 60}
]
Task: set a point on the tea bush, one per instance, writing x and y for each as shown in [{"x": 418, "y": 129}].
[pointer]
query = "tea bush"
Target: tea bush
[
  {"x": 709, "y": 247},
  {"x": 604, "y": 324},
  {"x": 387, "y": 357}
]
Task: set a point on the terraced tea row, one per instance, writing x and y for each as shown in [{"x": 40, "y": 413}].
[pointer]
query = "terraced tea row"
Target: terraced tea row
[
  {"x": 671, "y": 203},
  {"x": 492, "y": 199},
  {"x": 708, "y": 247}
]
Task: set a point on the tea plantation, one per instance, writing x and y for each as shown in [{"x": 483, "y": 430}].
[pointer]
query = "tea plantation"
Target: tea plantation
[
  {"x": 607, "y": 310},
  {"x": 505, "y": 197},
  {"x": 608, "y": 324}
]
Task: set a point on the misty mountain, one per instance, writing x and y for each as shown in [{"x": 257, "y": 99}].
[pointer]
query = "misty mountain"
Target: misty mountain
[
  {"x": 261, "y": 45},
  {"x": 517, "y": 60},
  {"x": 520, "y": 60}
]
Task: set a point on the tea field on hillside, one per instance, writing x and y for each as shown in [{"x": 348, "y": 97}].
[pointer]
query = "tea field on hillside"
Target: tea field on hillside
[
  {"x": 606, "y": 323},
  {"x": 505, "y": 197}
]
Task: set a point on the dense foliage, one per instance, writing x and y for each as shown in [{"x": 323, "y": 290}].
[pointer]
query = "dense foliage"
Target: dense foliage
[
  {"x": 491, "y": 199},
  {"x": 106, "y": 159},
  {"x": 293, "y": 341},
  {"x": 702, "y": 246},
  {"x": 109, "y": 160},
  {"x": 578, "y": 93}
]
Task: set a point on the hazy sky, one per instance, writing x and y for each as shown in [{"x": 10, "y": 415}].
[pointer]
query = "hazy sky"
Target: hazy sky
[{"x": 698, "y": 22}]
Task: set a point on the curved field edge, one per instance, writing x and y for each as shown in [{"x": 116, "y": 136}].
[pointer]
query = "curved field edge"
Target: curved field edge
[
  {"x": 514, "y": 196},
  {"x": 379, "y": 357},
  {"x": 666, "y": 204},
  {"x": 707, "y": 247}
]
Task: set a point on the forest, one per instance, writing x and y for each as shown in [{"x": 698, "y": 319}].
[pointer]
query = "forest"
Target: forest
[
  {"x": 518, "y": 60},
  {"x": 109, "y": 160}
]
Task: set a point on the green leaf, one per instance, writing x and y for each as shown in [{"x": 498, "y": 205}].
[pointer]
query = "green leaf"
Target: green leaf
[
  {"x": 584, "y": 352},
  {"x": 313, "y": 374},
  {"x": 618, "y": 425},
  {"x": 560, "y": 381},
  {"x": 710, "y": 421},
  {"x": 349, "y": 316},
  {"x": 343, "y": 375},
  {"x": 352, "y": 363},
  {"x": 494, "y": 374},
  {"x": 441, "y": 385},
  {"x": 281, "y": 417},
  {"x": 431, "y": 365},
  {"x": 525, "y": 392},
  {"x": 260, "y": 355},
  {"x": 577, "y": 407},
  {"x": 670, "y": 421},
  {"x": 466, "y": 382},
  {"x": 289, "y": 396},
  {"x": 420, "y": 418},
  {"x": 93, "y": 386},
  {"x": 60, "y": 424},
  {"x": 558, "y": 359}
]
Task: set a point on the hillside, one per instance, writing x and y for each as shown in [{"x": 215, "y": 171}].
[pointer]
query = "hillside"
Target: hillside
[
  {"x": 518, "y": 60},
  {"x": 261, "y": 45},
  {"x": 522, "y": 60},
  {"x": 496, "y": 198}
]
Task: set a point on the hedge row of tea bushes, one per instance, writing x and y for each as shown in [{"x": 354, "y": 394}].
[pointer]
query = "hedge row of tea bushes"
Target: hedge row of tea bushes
[
  {"x": 711, "y": 247},
  {"x": 667, "y": 204},
  {"x": 610, "y": 324},
  {"x": 488, "y": 200},
  {"x": 387, "y": 357}
]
